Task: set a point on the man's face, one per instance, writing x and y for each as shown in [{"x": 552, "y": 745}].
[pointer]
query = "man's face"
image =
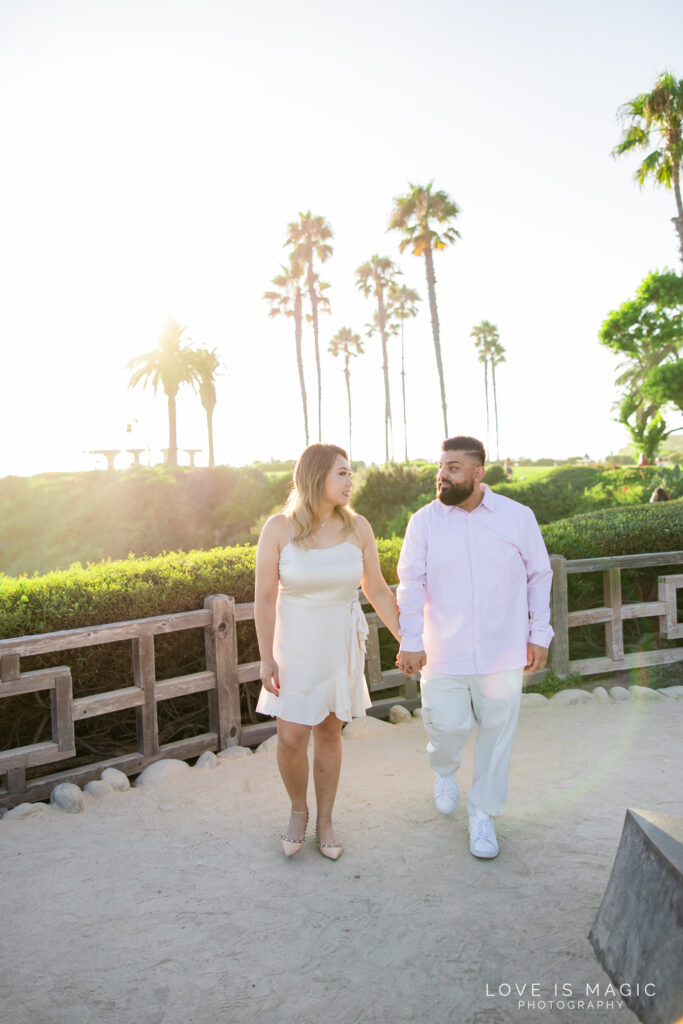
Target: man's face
[{"x": 457, "y": 477}]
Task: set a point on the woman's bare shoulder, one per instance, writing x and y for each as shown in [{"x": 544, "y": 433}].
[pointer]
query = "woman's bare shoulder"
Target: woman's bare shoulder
[
  {"x": 276, "y": 529},
  {"x": 363, "y": 529}
]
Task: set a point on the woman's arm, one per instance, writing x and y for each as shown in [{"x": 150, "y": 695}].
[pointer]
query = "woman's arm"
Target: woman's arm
[
  {"x": 373, "y": 583},
  {"x": 267, "y": 581}
]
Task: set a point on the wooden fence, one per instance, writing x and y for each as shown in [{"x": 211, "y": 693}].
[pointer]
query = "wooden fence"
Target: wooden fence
[{"x": 223, "y": 675}]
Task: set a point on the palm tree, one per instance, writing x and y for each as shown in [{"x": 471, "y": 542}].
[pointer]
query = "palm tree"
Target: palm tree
[
  {"x": 481, "y": 335},
  {"x": 170, "y": 364},
  {"x": 348, "y": 344},
  {"x": 206, "y": 363},
  {"x": 491, "y": 353},
  {"x": 288, "y": 301},
  {"x": 414, "y": 215},
  {"x": 656, "y": 119},
  {"x": 497, "y": 357},
  {"x": 309, "y": 238},
  {"x": 377, "y": 275},
  {"x": 402, "y": 306}
]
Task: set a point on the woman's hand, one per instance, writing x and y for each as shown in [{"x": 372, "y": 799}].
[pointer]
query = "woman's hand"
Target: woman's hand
[{"x": 270, "y": 677}]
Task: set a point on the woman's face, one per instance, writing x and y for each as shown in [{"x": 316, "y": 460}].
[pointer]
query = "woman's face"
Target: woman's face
[{"x": 338, "y": 482}]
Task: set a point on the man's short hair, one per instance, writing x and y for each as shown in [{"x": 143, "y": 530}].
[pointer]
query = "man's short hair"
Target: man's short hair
[{"x": 468, "y": 445}]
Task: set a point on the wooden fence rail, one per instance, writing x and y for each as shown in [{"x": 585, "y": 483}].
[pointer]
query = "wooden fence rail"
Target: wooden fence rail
[{"x": 223, "y": 676}]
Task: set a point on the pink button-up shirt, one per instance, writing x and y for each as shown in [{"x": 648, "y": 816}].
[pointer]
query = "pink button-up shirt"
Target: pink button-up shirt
[{"x": 474, "y": 586}]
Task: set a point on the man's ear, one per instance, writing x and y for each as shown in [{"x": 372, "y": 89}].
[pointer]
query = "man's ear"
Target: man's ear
[{"x": 479, "y": 473}]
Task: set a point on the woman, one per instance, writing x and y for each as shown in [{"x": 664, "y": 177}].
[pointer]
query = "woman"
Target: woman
[{"x": 310, "y": 561}]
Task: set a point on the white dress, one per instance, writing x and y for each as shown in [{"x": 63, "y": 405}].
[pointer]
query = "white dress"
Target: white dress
[{"x": 320, "y": 634}]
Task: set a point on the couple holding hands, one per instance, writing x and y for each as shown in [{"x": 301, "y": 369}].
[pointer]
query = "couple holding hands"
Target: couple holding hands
[{"x": 472, "y": 614}]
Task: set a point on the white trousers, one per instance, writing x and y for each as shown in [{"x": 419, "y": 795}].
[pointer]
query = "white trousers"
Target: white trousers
[{"x": 450, "y": 705}]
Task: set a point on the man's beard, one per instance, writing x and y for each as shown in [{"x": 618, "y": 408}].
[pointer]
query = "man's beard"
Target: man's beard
[{"x": 453, "y": 494}]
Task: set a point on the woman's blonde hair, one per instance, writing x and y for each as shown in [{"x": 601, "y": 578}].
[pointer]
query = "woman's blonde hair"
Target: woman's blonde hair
[{"x": 302, "y": 507}]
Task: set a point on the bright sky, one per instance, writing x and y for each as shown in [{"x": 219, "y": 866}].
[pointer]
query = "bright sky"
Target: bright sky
[{"x": 154, "y": 151}]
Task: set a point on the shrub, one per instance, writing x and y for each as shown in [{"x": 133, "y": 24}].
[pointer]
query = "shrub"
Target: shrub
[
  {"x": 495, "y": 475},
  {"x": 386, "y": 492}
]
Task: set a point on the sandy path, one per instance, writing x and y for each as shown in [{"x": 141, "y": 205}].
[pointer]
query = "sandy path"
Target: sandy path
[{"x": 171, "y": 903}]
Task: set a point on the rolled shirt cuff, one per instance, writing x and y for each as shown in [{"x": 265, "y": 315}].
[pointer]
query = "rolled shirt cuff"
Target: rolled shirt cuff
[{"x": 542, "y": 637}]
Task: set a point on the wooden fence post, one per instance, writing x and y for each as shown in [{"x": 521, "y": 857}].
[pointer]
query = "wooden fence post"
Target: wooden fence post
[
  {"x": 614, "y": 629},
  {"x": 559, "y": 610},
  {"x": 144, "y": 677},
  {"x": 220, "y": 639}
]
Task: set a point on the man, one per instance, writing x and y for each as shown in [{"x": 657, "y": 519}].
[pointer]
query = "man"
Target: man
[{"x": 473, "y": 598}]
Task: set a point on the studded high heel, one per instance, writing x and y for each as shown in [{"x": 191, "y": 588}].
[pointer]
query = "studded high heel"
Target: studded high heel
[
  {"x": 291, "y": 846},
  {"x": 332, "y": 851}
]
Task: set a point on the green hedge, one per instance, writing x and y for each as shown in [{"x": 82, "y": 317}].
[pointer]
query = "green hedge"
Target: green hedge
[{"x": 142, "y": 587}]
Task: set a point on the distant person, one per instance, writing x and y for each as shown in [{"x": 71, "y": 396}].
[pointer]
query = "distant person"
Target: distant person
[
  {"x": 659, "y": 461},
  {"x": 660, "y": 494},
  {"x": 643, "y": 460},
  {"x": 474, "y": 612},
  {"x": 311, "y": 559},
  {"x": 508, "y": 468}
]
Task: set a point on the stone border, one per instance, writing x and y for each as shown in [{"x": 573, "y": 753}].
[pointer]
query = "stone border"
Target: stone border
[{"x": 71, "y": 799}]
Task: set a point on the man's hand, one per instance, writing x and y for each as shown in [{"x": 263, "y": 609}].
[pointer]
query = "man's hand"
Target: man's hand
[
  {"x": 410, "y": 662},
  {"x": 536, "y": 657}
]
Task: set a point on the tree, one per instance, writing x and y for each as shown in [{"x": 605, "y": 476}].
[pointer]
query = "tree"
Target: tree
[
  {"x": 664, "y": 384},
  {"x": 288, "y": 301},
  {"x": 497, "y": 357},
  {"x": 206, "y": 363},
  {"x": 348, "y": 344},
  {"x": 656, "y": 119},
  {"x": 377, "y": 275},
  {"x": 414, "y": 214},
  {"x": 402, "y": 306},
  {"x": 647, "y": 331},
  {"x": 491, "y": 354},
  {"x": 170, "y": 364},
  {"x": 309, "y": 238}
]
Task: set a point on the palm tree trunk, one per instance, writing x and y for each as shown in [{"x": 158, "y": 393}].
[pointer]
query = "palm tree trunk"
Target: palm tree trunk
[
  {"x": 298, "y": 328},
  {"x": 209, "y": 429},
  {"x": 382, "y": 319},
  {"x": 314, "y": 317},
  {"x": 495, "y": 405},
  {"x": 347, "y": 374},
  {"x": 486, "y": 391},
  {"x": 403, "y": 389},
  {"x": 172, "y": 433},
  {"x": 678, "y": 221},
  {"x": 431, "y": 289}
]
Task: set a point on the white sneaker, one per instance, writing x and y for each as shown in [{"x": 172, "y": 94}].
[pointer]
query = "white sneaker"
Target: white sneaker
[
  {"x": 483, "y": 842},
  {"x": 446, "y": 794}
]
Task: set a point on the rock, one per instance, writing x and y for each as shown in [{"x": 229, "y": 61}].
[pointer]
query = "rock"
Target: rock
[
  {"x": 364, "y": 726},
  {"x": 99, "y": 788},
  {"x": 619, "y": 693},
  {"x": 116, "y": 779},
  {"x": 207, "y": 760},
  {"x": 398, "y": 714},
  {"x": 568, "y": 697},
  {"x": 671, "y": 691},
  {"x": 167, "y": 770},
  {"x": 68, "y": 797},
  {"x": 644, "y": 693},
  {"x": 417, "y": 713},
  {"x": 24, "y": 811},
  {"x": 534, "y": 700},
  {"x": 269, "y": 744},
  {"x": 600, "y": 694},
  {"x": 232, "y": 752}
]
